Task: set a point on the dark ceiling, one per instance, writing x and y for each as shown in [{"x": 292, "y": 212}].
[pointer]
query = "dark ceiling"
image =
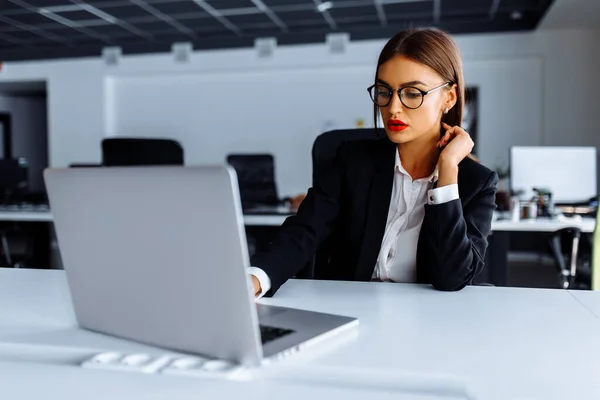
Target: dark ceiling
[{"x": 43, "y": 29}]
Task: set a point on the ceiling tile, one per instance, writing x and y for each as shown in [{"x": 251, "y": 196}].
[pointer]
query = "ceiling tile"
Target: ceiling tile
[
  {"x": 27, "y": 35},
  {"x": 77, "y": 15},
  {"x": 413, "y": 7},
  {"x": 152, "y": 26},
  {"x": 249, "y": 19},
  {"x": 124, "y": 12},
  {"x": 8, "y": 6},
  {"x": 110, "y": 30},
  {"x": 30, "y": 18},
  {"x": 308, "y": 24},
  {"x": 291, "y": 17},
  {"x": 344, "y": 12},
  {"x": 469, "y": 6},
  {"x": 222, "y": 5},
  {"x": 179, "y": 7},
  {"x": 199, "y": 23},
  {"x": 357, "y": 22},
  {"x": 260, "y": 30},
  {"x": 276, "y": 3},
  {"x": 203, "y": 32},
  {"x": 47, "y": 3}
]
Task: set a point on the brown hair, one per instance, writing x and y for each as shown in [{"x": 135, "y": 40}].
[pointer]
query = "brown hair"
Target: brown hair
[{"x": 435, "y": 49}]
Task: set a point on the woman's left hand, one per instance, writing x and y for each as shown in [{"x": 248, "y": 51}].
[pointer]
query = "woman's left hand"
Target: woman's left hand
[{"x": 458, "y": 145}]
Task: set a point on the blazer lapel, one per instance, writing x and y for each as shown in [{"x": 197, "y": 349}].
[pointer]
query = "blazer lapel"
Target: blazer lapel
[{"x": 377, "y": 211}]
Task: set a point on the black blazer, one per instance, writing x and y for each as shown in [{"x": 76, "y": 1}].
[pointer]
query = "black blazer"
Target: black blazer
[{"x": 351, "y": 202}]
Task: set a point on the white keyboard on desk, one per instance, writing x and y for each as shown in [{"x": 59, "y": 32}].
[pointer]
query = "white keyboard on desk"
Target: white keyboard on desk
[{"x": 165, "y": 364}]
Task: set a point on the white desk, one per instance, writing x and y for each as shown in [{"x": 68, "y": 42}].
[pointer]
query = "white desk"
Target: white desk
[
  {"x": 589, "y": 299},
  {"x": 267, "y": 215},
  {"x": 46, "y": 216},
  {"x": 264, "y": 220},
  {"x": 586, "y": 224},
  {"x": 26, "y": 216},
  {"x": 504, "y": 342},
  {"x": 539, "y": 225}
]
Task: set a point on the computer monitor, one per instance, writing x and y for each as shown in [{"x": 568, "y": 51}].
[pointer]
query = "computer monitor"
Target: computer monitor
[{"x": 568, "y": 172}]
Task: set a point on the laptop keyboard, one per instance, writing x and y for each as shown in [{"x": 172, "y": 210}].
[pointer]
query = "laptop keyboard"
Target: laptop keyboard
[{"x": 270, "y": 333}]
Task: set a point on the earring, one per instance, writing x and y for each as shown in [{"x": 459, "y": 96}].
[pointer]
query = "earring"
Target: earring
[{"x": 446, "y": 110}]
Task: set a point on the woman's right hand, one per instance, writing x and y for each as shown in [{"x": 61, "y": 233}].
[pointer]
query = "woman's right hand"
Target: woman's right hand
[{"x": 256, "y": 285}]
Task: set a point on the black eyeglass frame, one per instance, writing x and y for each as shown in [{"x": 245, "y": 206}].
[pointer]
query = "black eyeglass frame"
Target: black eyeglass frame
[{"x": 399, "y": 92}]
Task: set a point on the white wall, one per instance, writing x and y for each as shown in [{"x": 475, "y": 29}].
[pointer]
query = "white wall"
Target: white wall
[
  {"x": 29, "y": 133},
  {"x": 535, "y": 88},
  {"x": 214, "y": 114},
  {"x": 282, "y": 111}
]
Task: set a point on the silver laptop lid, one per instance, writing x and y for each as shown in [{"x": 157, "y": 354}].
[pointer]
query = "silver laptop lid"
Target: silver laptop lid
[{"x": 158, "y": 255}]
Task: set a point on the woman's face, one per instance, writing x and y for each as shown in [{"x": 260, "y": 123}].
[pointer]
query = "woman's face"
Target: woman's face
[{"x": 403, "y": 124}]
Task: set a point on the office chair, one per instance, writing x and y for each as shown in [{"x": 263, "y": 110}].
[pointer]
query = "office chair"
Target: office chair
[
  {"x": 121, "y": 152},
  {"x": 326, "y": 145},
  {"x": 14, "y": 179},
  {"x": 567, "y": 263},
  {"x": 323, "y": 153},
  {"x": 15, "y": 246},
  {"x": 256, "y": 179}
]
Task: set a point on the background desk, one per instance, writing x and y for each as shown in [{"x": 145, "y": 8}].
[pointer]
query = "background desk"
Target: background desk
[
  {"x": 263, "y": 223},
  {"x": 46, "y": 216},
  {"x": 503, "y": 342},
  {"x": 260, "y": 227},
  {"x": 277, "y": 218},
  {"x": 496, "y": 271},
  {"x": 586, "y": 225},
  {"x": 26, "y": 216}
]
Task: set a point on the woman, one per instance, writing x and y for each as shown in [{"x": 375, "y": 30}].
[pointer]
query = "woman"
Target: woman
[{"x": 409, "y": 207}]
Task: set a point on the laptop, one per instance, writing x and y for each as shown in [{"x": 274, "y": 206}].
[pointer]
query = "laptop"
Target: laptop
[{"x": 158, "y": 255}]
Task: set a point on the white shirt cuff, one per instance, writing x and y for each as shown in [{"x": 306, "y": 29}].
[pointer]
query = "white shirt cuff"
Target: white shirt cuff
[
  {"x": 442, "y": 194},
  {"x": 263, "y": 278}
]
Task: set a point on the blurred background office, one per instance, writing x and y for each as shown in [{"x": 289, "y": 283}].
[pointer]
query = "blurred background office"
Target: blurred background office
[{"x": 255, "y": 82}]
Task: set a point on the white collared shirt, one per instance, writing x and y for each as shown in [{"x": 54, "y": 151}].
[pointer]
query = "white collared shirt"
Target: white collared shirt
[{"x": 397, "y": 260}]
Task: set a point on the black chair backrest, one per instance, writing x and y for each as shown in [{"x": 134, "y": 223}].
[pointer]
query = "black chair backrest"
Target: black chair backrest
[
  {"x": 121, "y": 152},
  {"x": 256, "y": 178},
  {"x": 324, "y": 150},
  {"x": 14, "y": 179},
  {"x": 326, "y": 145}
]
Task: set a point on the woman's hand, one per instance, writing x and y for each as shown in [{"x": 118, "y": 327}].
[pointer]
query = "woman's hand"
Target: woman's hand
[
  {"x": 256, "y": 285},
  {"x": 296, "y": 201},
  {"x": 458, "y": 144}
]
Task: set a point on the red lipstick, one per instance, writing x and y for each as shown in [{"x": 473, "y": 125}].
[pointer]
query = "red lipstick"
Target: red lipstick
[{"x": 396, "y": 125}]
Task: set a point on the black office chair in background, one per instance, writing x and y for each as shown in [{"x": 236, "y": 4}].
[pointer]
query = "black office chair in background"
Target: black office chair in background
[
  {"x": 256, "y": 179},
  {"x": 15, "y": 245},
  {"x": 14, "y": 180},
  {"x": 122, "y": 152},
  {"x": 565, "y": 246}
]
